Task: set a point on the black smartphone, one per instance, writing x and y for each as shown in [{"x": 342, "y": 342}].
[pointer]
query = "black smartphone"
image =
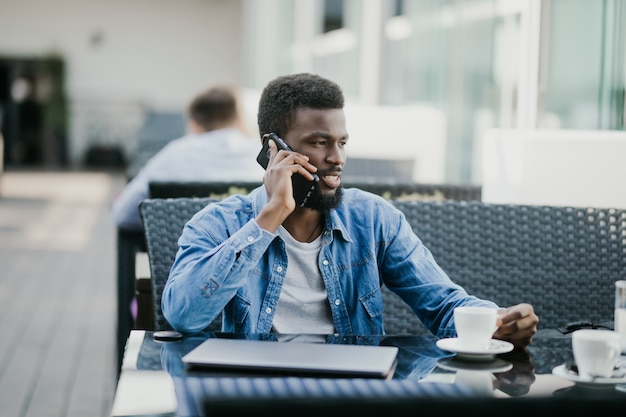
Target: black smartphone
[{"x": 302, "y": 187}]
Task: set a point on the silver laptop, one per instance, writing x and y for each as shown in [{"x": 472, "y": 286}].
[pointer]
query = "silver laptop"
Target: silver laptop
[{"x": 301, "y": 358}]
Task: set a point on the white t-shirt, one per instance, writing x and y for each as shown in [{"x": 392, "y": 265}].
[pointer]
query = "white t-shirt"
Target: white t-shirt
[{"x": 303, "y": 304}]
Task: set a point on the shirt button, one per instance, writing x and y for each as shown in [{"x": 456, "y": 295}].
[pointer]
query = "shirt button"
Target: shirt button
[
  {"x": 337, "y": 301},
  {"x": 325, "y": 262},
  {"x": 279, "y": 269},
  {"x": 268, "y": 310},
  {"x": 250, "y": 238}
]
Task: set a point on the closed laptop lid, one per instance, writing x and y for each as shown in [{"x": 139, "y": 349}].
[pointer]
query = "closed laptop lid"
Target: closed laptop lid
[{"x": 298, "y": 357}]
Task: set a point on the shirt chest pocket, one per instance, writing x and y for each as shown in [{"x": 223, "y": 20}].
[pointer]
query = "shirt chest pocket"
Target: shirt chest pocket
[{"x": 372, "y": 302}]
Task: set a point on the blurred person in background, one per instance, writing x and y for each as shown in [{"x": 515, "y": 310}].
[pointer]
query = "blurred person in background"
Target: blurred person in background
[{"x": 215, "y": 149}]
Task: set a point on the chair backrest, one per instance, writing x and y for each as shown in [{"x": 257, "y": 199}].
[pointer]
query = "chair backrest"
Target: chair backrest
[
  {"x": 388, "y": 190},
  {"x": 562, "y": 260},
  {"x": 398, "y": 318},
  {"x": 420, "y": 191},
  {"x": 163, "y": 221},
  {"x": 215, "y": 189}
]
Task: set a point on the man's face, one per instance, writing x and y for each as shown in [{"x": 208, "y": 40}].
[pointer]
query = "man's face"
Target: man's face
[{"x": 321, "y": 135}]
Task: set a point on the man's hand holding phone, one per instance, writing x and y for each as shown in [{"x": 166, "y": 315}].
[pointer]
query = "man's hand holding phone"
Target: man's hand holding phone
[
  {"x": 279, "y": 186},
  {"x": 302, "y": 173}
]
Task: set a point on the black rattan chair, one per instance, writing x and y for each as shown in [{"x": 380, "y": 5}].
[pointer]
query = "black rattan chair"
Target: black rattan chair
[
  {"x": 163, "y": 221},
  {"x": 562, "y": 260}
]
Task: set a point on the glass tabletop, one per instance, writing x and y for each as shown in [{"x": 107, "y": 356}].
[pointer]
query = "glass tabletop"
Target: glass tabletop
[{"x": 520, "y": 373}]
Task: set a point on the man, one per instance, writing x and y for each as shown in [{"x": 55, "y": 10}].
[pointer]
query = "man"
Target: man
[
  {"x": 215, "y": 150},
  {"x": 274, "y": 267}
]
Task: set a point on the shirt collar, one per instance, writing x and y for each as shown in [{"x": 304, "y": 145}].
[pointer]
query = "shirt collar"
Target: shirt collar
[{"x": 259, "y": 199}]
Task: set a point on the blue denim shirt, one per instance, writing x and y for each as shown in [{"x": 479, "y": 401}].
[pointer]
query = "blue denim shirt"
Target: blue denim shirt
[{"x": 227, "y": 262}]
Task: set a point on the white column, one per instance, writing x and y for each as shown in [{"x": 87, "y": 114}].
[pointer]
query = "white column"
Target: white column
[
  {"x": 305, "y": 19},
  {"x": 528, "y": 76},
  {"x": 371, "y": 32}
]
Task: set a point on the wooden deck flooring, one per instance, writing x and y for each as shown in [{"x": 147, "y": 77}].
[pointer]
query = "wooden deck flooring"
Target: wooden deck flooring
[{"x": 57, "y": 294}]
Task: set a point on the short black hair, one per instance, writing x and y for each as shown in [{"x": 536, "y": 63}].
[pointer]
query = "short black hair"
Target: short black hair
[
  {"x": 215, "y": 107},
  {"x": 286, "y": 94}
]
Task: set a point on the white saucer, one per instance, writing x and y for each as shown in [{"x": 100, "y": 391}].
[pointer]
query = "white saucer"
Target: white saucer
[
  {"x": 496, "y": 347},
  {"x": 496, "y": 366},
  {"x": 563, "y": 372}
]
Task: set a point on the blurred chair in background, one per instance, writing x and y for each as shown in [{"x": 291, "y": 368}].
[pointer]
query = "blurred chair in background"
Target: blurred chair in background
[{"x": 158, "y": 130}]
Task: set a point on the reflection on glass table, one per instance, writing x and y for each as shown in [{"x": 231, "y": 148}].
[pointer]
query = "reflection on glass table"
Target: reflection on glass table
[{"x": 423, "y": 369}]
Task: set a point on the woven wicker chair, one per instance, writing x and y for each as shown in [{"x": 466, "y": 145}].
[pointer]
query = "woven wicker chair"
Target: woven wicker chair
[
  {"x": 163, "y": 221},
  {"x": 562, "y": 260}
]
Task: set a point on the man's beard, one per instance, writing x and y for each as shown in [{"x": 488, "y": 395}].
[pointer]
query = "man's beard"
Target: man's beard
[{"x": 324, "y": 203}]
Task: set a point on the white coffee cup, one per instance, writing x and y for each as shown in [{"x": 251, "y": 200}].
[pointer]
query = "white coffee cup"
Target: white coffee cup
[
  {"x": 595, "y": 352},
  {"x": 475, "y": 326}
]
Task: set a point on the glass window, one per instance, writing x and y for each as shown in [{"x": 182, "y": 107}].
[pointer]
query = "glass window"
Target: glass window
[
  {"x": 398, "y": 8},
  {"x": 333, "y": 15},
  {"x": 582, "y": 71},
  {"x": 336, "y": 54},
  {"x": 459, "y": 58},
  {"x": 477, "y": 63}
]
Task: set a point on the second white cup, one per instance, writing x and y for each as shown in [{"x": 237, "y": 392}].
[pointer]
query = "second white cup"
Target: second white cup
[
  {"x": 475, "y": 326},
  {"x": 595, "y": 352}
]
